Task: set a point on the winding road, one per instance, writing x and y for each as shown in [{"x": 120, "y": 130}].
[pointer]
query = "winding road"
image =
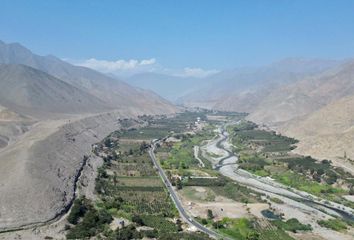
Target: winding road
[{"x": 187, "y": 218}]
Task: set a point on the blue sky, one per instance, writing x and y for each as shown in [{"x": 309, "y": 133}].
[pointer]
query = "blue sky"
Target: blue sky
[{"x": 190, "y": 34}]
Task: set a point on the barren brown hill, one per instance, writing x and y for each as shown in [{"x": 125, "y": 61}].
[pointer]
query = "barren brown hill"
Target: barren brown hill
[
  {"x": 326, "y": 133},
  {"x": 115, "y": 93},
  {"x": 245, "y": 88},
  {"x": 28, "y": 90},
  {"x": 305, "y": 96}
]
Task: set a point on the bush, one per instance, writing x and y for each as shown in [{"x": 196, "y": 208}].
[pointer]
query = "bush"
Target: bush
[
  {"x": 78, "y": 210},
  {"x": 210, "y": 214},
  {"x": 150, "y": 233},
  {"x": 138, "y": 220},
  {"x": 91, "y": 224},
  {"x": 127, "y": 233},
  {"x": 159, "y": 223},
  {"x": 334, "y": 224},
  {"x": 292, "y": 225}
]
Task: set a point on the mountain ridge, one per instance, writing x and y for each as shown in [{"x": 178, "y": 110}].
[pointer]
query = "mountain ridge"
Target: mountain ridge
[{"x": 114, "y": 92}]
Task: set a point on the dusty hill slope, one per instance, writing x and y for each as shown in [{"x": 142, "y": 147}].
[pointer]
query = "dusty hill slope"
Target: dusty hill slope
[
  {"x": 326, "y": 133},
  {"x": 113, "y": 92},
  {"x": 306, "y": 96},
  {"x": 319, "y": 111},
  {"x": 38, "y": 172},
  {"x": 29, "y": 90},
  {"x": 243, "y": 89},
  {"x": 51, "y": 113}
]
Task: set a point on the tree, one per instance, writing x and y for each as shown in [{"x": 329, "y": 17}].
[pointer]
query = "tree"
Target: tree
[
  {"x": 210, "y": 214},
  {"x": 179, "y": 225},
  {"x": 115, "y": 178},
  {"x": 107, "y": 142},
  {"x": 179, "y": 183},
  {"x": 77, "y": 211},
  {"x": 351, "y": 191},
  {"x": 252, "y": 236},
  {"x": 138, "y": 220}
]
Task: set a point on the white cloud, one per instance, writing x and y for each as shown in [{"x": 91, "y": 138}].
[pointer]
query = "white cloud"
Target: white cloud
[
  {"x": 123, "y": 67},
  {"x": 116, "y": 66},
  {"x": 148, "y": 61},
  {"x": 197, "y": 72}
]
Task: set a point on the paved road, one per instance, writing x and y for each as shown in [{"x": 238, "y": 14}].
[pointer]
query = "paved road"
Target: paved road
[{"x": 176, "y": 200}]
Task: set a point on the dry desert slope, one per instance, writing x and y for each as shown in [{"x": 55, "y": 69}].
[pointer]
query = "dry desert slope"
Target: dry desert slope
[
  {"x": 38, "y": 172},
  {"x": 326, "y": 133}
]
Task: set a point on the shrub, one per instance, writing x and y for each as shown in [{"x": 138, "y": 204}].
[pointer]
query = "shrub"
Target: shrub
[
  {"x": 334, "y": 224},
  {"x": 91, "y": 224},
  {"x": 292, "y": 225},
  {"x": 78, "y": 210},
  {"x": 138, "y": 220},
  {"x": 210, "y": 214}
]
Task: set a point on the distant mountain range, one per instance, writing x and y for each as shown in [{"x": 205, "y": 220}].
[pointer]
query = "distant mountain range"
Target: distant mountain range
[
  {"x": 167, "y": 86},
  {"x": 96, "y": 91}
]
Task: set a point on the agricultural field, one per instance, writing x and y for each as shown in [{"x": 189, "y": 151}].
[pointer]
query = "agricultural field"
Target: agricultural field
[
  {"x": 129, "y": 188},
  {"x": 245, "y": 229},
  {"x": 162, "y": 127},
  {"x": 181, "y": 154},
  {"x": 201, "y": 188},
  {"x": 266, "y": 153}
]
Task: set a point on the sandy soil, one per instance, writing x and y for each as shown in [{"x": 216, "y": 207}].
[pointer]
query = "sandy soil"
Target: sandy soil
[{"x": 221, "y": 206}]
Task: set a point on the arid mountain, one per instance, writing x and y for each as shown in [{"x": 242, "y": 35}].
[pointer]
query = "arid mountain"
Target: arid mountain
[
  {"x": 243, "y": 89},
  {"x": 305, "y": 96},
  {"x": 28, "y": 90},
  {"x": 327, "y": 132},
  {"x": 318, "y": 110},
  {"x": 115, "y": 93}
]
